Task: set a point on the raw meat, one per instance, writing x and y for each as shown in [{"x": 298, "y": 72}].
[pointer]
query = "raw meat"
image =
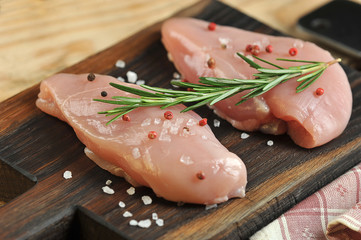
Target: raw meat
[
  {"x": 310, "y": 120},
  {"x": 169, "y": 164}
]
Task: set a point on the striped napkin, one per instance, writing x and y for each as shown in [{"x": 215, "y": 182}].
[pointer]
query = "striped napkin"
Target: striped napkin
[{"x": 333, "y": 212}]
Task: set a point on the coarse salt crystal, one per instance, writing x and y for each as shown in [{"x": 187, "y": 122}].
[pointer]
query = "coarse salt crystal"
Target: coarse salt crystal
[
  {"x": 131, "y": 191},
  {"x": 298, "y": 44},
  {"x": 146, "y": 200},
  {"x": 132, "y": 77},
  {"x": 154, "y": 216},
  {"x": 270, "y": 143},
  {"x": 145, "y": 223},
  {"x": 265, "y": 41},
  {"x": 120, "y": 64},
  {"x": 186, "y": 159},
  {"x": 157, "y": 121},
  {"x": 133, "y": 222},
  {"x": 179, "y": 121},
  {"x": 176, "y": 75},
  {"x": 121, "y": 204},
  {"x": 136, "y": 153},
  {"x": 108, "y": 190},
  {"x": 174, "y": 129},
  {"x": 244, "y": 135},
  {"x": 146, "y": 122},
  {"x": 121, "y": 79},
  {"x": 191, "y": 122},
  {"x": 223, "y": 41},
  {"x": 167, "y": 124},
  {"x": 159, "y": 222},
  {"x": 204, "y": 137},
  {"x": 67, "y": 175},
  {"x": 211, "y": 206},
  {"x": 127, "y": 214},
  {"x": 140, "y": 82},
  {"x": 216, "y": 123},
  {"x": 164, "y": 136},
  {"x": 108, "y": 182}
]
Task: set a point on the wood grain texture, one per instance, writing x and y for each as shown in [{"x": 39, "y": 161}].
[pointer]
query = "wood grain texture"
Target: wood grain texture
[
  {"x": 40, "y": 38},
  {"x": 55, "y": 208}
]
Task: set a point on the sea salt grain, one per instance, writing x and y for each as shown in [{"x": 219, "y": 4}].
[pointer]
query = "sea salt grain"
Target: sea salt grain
[
  {"x": 146, "y": 200},
  {"x": 121, "y": 79},
  {"x": 67, "y": 175},
  {"x": 146, "y": 122},
  {"x": 108, "y": 182},
  {"x": 133, "y": 222},
  {"x": 154, "y": 216},
  {"x": 131, "y": 191},
  {"x": 270, "y": 143},
  {"x": 132, "y": 77},
  {"x": 216, "y": 123},
  {"x": 244, "y": 135},
  {"x": 211, "y": 206},
  {"x": 136, "y": 153},
  {"x": 157, "y": 121},
  {"x": 298, "y": 44},
  {"x": 145, "y": 223},
  {"x": 121, "y": 204},
  {"x": 108, "y": 190},
  {"x": 224, "y": 41},
  {"x": 159, "y": 222},
  {"x": 176, "y": 75},
  {"x": 120, "y": 64},
  {"x": 140, "y": 82},
  {"x": 186, "y": 159},
  {"x": 127, "y": 214}
]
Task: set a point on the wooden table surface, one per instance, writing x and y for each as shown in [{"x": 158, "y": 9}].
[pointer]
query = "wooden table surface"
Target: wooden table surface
[{"x": 40, "y": 38}]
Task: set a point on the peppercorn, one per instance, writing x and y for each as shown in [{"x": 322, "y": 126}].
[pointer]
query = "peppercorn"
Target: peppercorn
[
  {"x": 212, "y": 26},
  {"x": 104, "y": 94},
  {"x": 293, "y": 51}
]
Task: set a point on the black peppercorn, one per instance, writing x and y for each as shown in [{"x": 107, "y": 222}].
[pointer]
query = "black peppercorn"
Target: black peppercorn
[
  {"x": 91, "y": 77},
  {"x": 104, "y": 93}
]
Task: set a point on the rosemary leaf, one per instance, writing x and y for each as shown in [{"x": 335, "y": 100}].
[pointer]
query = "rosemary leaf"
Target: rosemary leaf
[
  {"x": 225, "y": 95},
  {"x": 308, "y": 83},
  {"x": 269, "y": 63},
  {"x": 275, "y": 82},
  {"x": 132, "y": 90},
  {"x": 295, "y": 60},
  {"x": 197, "y": 105},
  {"x": 277, "y": 71},
  {"x": 249, "y": 61},
  {"x": 307, "y": 76}
]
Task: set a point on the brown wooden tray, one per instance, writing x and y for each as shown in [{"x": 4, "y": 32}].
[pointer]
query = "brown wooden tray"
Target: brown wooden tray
[{"x": 36, "y": 149}]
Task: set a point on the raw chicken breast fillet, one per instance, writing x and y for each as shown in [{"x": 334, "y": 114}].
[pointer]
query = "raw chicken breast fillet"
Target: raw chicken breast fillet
[
  {"x": 310, "y": 120},
  {"x": 168, "y": 164}
]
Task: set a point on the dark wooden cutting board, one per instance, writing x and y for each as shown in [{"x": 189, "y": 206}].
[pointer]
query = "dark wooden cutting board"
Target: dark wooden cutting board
[{"x": 35, "y": 150}]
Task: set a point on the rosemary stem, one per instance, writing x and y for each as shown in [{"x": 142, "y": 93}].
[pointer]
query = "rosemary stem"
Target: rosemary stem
[{"x": 211, "y": 90}]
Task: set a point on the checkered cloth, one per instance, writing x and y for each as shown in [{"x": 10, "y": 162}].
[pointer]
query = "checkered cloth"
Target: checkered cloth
[{"x": 334, "y": 212}]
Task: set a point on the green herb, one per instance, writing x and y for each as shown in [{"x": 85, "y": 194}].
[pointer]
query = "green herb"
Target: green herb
[{"x": 211, "y": 90}]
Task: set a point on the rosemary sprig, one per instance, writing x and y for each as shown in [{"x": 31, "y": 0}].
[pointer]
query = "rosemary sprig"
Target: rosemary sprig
[{"x": 211, "y": 90}]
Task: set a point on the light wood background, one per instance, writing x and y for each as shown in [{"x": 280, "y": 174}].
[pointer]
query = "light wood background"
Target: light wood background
[{"x": 41, "y": 37}]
